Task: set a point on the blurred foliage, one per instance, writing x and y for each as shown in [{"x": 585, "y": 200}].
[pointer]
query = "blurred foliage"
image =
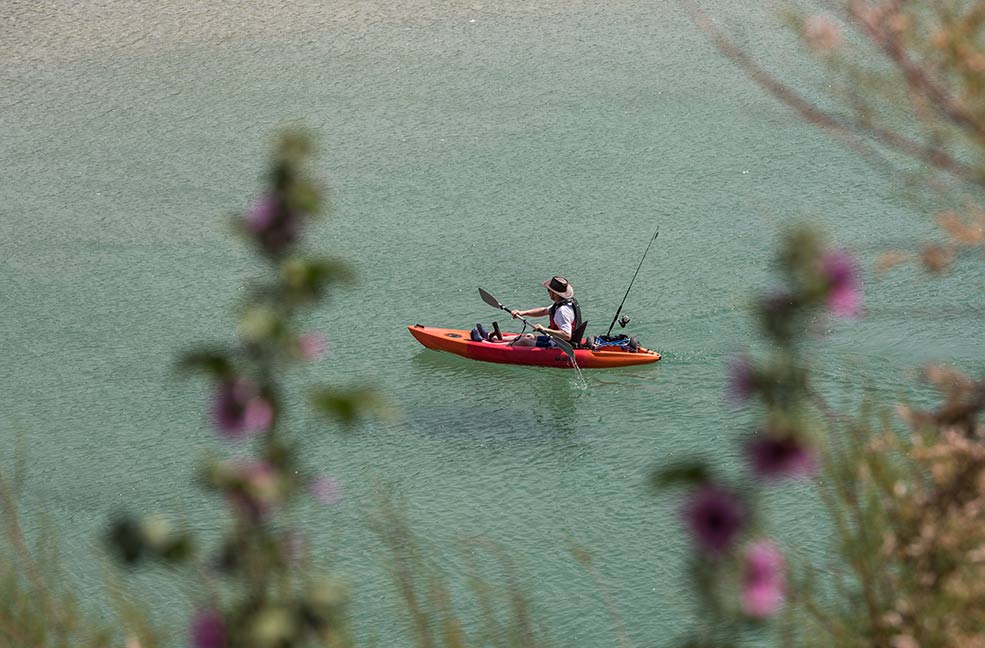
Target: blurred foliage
[
  {"x": 739, "y": 574},
  {"x": 258, "y": 586},
  {"x": 908, "y": 507},
  {"x": 902, "y": 487},
  {"x": 263, "y": 593},
  {"x": 351, "y": 405},
  {"x": 37, "y": 603},
  {"x": 506, "y": 615},
  {"x": 903, "y": 89}
]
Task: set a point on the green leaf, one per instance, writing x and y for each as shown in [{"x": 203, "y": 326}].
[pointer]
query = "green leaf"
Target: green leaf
[
  {"x": 295, "y": 146},
  {"x": 687, "y": 473},
  {"x": 177, "y": 549},
  {"x": 214, "y": 362},
  {"x": 304, "y": 197},
  {"x": 125, "y": 540},
  {"x": 307, "y": 279},
  {"x": 352, "y": 404}
]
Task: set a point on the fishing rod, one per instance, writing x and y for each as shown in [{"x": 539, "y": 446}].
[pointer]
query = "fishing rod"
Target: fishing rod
[{"x": 655, "y": 234}]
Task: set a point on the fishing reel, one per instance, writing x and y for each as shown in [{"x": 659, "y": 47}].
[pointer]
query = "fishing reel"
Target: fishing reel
[{"x": 623, "y": 321}]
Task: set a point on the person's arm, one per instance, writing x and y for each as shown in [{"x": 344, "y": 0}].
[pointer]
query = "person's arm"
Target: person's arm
[
  {"x": 560, "y": 334},
  {"x": 533, "y": 312}
]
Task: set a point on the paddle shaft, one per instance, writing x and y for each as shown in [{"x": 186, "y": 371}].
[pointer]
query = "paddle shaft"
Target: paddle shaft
[
  {"x": 522, "y": 319},
  {"x": 655, "y": 235}
]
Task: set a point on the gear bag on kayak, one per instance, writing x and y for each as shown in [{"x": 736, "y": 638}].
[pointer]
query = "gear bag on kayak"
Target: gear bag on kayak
[{"x": 621, "y": 342}]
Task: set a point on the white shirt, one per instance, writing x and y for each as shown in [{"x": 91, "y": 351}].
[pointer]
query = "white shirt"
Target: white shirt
[{"x": 564, "y": 316}]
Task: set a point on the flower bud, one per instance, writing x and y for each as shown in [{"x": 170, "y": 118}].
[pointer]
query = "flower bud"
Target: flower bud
[
  {"x": 258, "y": 324},
  {"x": 272, "y": 627},
  {"x": 156, "y": 530},
  {"x": 822, "y": 34}
]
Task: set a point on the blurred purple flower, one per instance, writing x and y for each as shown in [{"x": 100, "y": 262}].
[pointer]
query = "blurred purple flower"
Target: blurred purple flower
[
  {"x": 741, "y": 379},
  {"x": 326, "y": 490},
  {"x": 260, "y": 487},
  {"x": 261, "y": 214},
  {"x": 762, "y": 579},
  {"x": 240, "y": 410},
  {"x": 274, "y": 225},
  {"x": 774, "y": 457},
  {"x": 312, "y": 345},
  {"x": 208, "y": 630},
  {"x": 715, "y": 516},
  {"x": 844, "y": 289}
]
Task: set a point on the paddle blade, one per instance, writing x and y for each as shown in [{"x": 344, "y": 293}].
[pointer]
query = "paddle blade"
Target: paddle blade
[
  {"x": 489, "y": 299},
  {"x": 565, "y": 346}
]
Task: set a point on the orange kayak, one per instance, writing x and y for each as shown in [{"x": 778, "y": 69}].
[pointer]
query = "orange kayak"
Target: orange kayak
[{"x": 458, "y": 342}]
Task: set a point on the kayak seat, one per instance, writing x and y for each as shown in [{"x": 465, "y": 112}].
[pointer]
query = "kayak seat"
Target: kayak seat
[{"x": 576, "y": 335}]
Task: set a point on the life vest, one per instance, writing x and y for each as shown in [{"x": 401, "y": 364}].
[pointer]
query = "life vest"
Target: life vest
[{"x": 574, "y": 305}]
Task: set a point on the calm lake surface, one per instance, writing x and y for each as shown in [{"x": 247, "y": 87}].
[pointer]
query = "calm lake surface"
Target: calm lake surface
[{"x": 466, "y": 145}]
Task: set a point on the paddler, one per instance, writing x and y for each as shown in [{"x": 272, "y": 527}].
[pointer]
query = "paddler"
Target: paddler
[{"x": 564, "y": 314}]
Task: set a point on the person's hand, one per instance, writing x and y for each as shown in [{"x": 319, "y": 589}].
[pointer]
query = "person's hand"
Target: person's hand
[
  {"x": 538, "y": 328},
  {"x": 515, "y": 313}
]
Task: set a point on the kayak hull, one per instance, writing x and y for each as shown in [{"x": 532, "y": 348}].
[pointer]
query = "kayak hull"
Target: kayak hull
[{"x": 458, "y": 342}]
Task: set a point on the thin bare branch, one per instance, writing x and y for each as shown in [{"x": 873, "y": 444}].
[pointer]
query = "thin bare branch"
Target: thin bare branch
[
  {"x": 16, "y": 537},
  {"x": 874, "y": 24},
  {"x": 827, "y": 121}
]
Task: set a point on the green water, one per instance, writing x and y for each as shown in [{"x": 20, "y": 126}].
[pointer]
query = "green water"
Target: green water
[{"x": 466, "y": 145}]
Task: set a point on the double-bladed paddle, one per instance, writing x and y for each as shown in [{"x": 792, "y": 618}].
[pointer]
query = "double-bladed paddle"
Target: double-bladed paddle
[{"x": 562, "y": 344}]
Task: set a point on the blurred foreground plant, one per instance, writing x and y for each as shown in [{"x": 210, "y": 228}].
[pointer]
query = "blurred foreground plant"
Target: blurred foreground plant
[
  {"x": 263, "y": 593},
  {"x": 908, "y": 507},
  {"x": 257, "y": 584},
  {"x": 505, "y": 614},
  {"x": 905, "y": 89},
  {"x": 262, "y": 590},
  {"x": 739, "y": 572},
  {"x": 906, "y": 502},
  {"x": 903, "y": 494},
  {"x": 37, "y": 606}
]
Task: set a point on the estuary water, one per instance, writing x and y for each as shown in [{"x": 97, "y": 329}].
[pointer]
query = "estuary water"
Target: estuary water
[{"x": 466, "y": 144}]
